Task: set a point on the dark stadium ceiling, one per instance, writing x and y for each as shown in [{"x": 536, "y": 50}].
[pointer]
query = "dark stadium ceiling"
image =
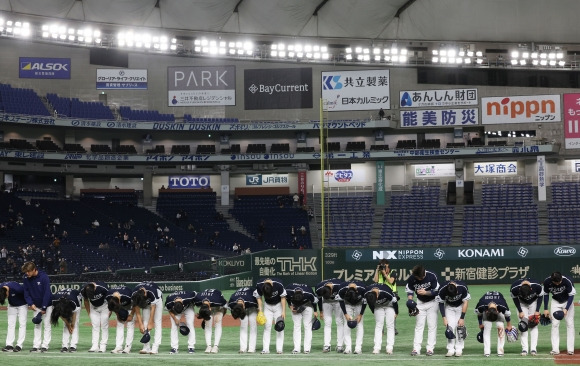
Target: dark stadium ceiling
[{"x": 420, "y": 26}]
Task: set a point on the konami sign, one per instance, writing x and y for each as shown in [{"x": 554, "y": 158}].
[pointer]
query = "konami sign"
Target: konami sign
[{"x": 521, "y": 109}]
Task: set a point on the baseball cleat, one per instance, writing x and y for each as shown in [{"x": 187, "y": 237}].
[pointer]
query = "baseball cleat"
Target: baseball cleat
[
  {"x": 430, "y": 353},
  {"x": 524, "y": 353},
  {"x": 326, "y": 349},
  {"x": 173, "y": 351},
  {"x": 17, "y": 349},
  {"x": 554, "y": 353},
  {"x": 215, "y": 349},
  {"x": 339, "y": 349},
  {"x": 43, "y": 349},
  {"x": 8, "y": 349},
  {"x": 534, "y": 353},
  {"x": 458, "y": 354},
  {"x": 376, "y": 351},
  {"x": 191, "y": 350},
  {"x": 570, "y": 353},
  {"x": 117, "y": 350},
  {"x": 414, "y": 353},
  {"x": 294, "y": 352},
  {"x": 208, "y": 349},
  {"x": 72, "y": 350},
  {"x": 264, "y": 352},
  {"x": 450, "y": 354},
  {"x": 63, "y": 350}
]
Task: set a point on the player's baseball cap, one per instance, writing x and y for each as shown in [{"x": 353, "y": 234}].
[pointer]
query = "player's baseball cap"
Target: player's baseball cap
[
  {"x": 449, "y": 333},
  {"x": 523, "y": 324},
  {"x": 558, "y": 315},
  {"x": 37, "y": 319},
  {"x": 146, "y": 337},
  {"x": 480, "y": 337},
  {"x": 315, "y": 324},
  {"x": 183, "y": 329},
  {"x": 279, "y": 324},
  {"x": 352, "y": 324},
  {"x": 122, "y": 315}
]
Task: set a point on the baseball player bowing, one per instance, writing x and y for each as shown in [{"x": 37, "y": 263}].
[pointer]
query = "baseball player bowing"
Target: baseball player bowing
[
  {"x": 329, "y": 305},
  {"x": 147, "y": 302},
  {"x": 178, "y": 304},
  {"x": 17, "y": 311},
  {"x": 492, "y": 308},
  {"x": 353, "y": 307},
  {"x": 39, "y": 299},
  {"x": 212, "y": 310},
  {"x": 66, "y": 304},
  {"x": 425, "y": 285},
  {"x": 453, "y": 298},
  {"x": 273, "y": 306},
  {"x": 383, "y": 303},
  {"x": 94, "y": 294},
  {"x": 244, "y": 306},
  {"x": 527, "y": 295},
  {"x": 119, "y": 302},
  {"x": 303, "y": 304},
  {"x": 563, "y": 291}
]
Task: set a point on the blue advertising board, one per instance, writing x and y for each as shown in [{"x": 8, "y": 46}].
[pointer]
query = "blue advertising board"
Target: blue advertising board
[{"x": 44, "y": 68}]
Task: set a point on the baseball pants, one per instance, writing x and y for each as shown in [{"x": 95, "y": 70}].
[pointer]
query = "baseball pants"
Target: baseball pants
[
  {"x": 330, "y": 308},
  {"x": 353, "y": 311},
  {"x": 569, "y": 318},
  {"x": 533, "y": 332},
  {"x": 487, "y": 325},
  {"x": 16, "y": 313},
  {"x": 100, "y": 322},
  {"x": 428, "y": 312},
  {"x": 249, "y": 322},
  {"x": 189, "y": 315},
  {"x": 157, "y": 317},
  {"x": 120, "y": 334},
  {"x": 42, "y": 339},
  {"x": 272, "y": 312},
  {"x": 384, "y": 315},
  {"x": 453, "y": 314},
  {"x": 68, "y": 339},
  {"x": 299, "y": 319},
  {"x": 215, "y": 321}
]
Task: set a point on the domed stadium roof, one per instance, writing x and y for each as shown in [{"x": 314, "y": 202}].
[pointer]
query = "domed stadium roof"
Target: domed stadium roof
[{"x": 420, "y": 20}]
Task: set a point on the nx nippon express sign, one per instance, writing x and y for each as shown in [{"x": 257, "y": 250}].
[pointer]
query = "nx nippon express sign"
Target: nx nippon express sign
[
  {"x": 201, "y": 86},
  {"x": 437, "y": 98},
  {"x": 278, "y": 88},
  {"x": 521, "y": 109},
  {"x": 122, "y": 79},
  {"x": 356, "y": 90},
  {"x": 44, "y": 68},
  {"x": 189, "y": 181}
]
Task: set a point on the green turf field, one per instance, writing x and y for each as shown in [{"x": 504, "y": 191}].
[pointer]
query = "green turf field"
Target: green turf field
[{"x": 473, "y": 352}]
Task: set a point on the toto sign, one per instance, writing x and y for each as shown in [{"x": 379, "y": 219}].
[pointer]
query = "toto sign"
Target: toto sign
[
  {"x": 565, "y": 251},
  {"x": 189, "y": 181}
]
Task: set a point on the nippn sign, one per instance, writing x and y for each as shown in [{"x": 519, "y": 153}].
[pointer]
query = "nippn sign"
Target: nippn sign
[{"x": 521, "y": 109}]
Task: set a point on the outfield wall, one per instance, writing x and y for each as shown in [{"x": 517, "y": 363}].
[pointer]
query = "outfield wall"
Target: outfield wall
[{"x": 474, "y": 265}]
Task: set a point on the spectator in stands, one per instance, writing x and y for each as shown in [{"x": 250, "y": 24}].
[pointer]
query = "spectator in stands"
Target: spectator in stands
[
  {"x": 95, "y": 224},
  {"x": 3, "y": 253},
  {"x": 190, "y": 228},
  {"x": 235, "y": 247},
  {"x": 63, "y": 266},
  {"x": 56, "y": 223},
  {"x": 28, "y": 203},
  {"x": 293, "y": 231},
  {"x": 163, "y": 186},
  {"x": 296, "y": 200},
  {"x": 381, "y": 114},
  {"x": 126, "y": 240},
  {"x": 248, "y": 251},
  {"x": 19, "y": 219},
  {"x": 166, "y": 229},
  {"x": 303, "y": 230},
  {"x": 56, "y": 242}
]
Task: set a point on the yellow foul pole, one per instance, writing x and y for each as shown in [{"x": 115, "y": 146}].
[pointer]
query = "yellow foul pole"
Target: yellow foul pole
[{"x": 322, "y": 214}]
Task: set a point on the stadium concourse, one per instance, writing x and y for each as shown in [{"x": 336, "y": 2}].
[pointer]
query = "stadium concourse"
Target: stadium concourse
[{"x": 215, "y": 144}]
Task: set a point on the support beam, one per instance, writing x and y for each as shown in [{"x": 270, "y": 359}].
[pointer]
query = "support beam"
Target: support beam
[
  {"x": 404, "y": 7},
  {"x": 319, "y": 7}
]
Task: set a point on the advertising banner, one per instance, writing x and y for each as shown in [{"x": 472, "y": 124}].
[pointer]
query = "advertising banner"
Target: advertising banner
[
  {"x": 521, "y": 109},
  {"x": 278, "y": 88},
  {"x": 440, "y": 117},
  {"x": 437, "y": 98},
  {"x": 300, "y": 266},
  {"x": 571, "y": 121},
  {"x": 356, "y": 90},
  {"x": 266, "y": 179},
  {"x": 495, "y": 168},
  {"x": 44, "y": 68},
  {"x": 189, "y": 181},
  {"x": 302, "y": 187},
  {"x": 339, "y": 177},
  {"x": 434, "y": 170},
  {"x": 541, "y": 178},
  {"x": 201, "y": 86},
  {"x": 380, "y": 182},
  {"x": 121, "y": 79}
]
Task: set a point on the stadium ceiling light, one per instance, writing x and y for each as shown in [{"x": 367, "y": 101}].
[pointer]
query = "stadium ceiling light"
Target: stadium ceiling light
[
  {"x": 514, "y": 62},
  {"x": 515, "y": 54},
  {"x": 561, "y": 63},
  {"x": 435, "y": 59}
]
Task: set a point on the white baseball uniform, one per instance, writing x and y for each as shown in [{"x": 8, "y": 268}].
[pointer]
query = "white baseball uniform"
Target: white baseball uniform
[{"x": 189, "y": 315}]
